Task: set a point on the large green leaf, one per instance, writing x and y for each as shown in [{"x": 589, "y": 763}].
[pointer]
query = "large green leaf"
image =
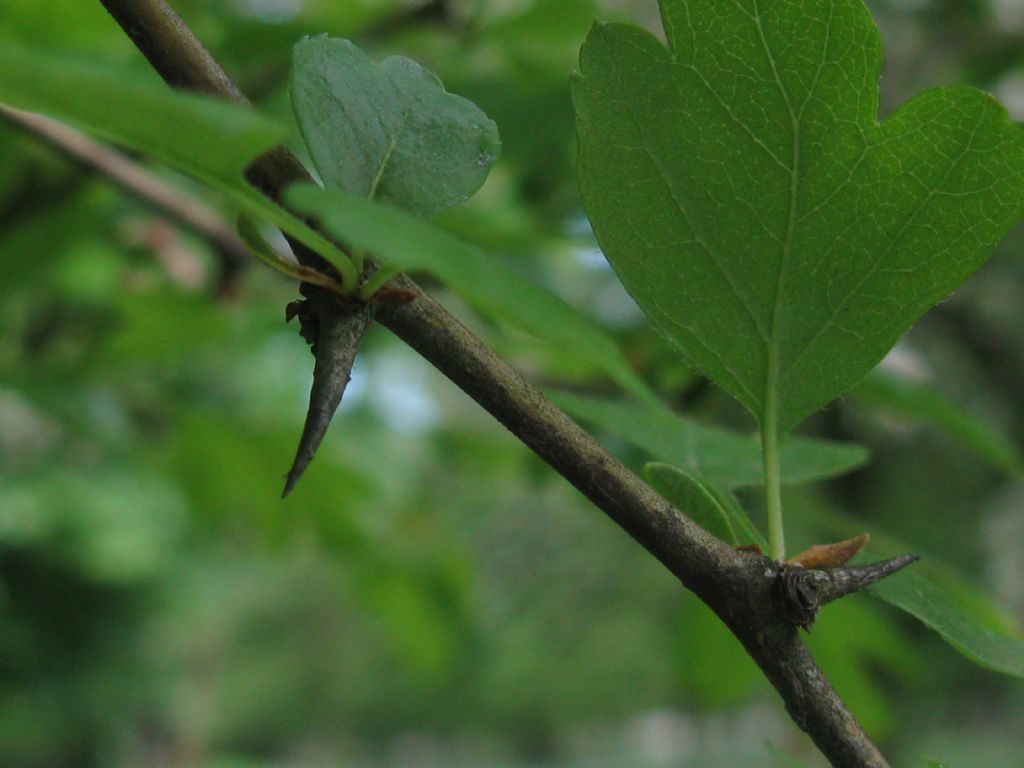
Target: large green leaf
[
  {"x": 390, "y": 130},
  {"x": 405, "y": 242},
  {"x": 212, "y": 140},
  {"x": 724, "y": 458},
  {"x": 743, "y": 190}
]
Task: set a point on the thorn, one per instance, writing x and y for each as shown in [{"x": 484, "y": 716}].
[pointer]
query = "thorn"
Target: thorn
[
  {"x": 339, "y": 329},
  {"x": 805, "y": 590}
]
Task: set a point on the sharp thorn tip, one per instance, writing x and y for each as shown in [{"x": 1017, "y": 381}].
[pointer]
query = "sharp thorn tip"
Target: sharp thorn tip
[{"x": 291, "y": 480}]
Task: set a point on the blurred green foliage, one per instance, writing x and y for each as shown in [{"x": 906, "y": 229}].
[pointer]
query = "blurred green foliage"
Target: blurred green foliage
[{"x": 432, "y": 594}]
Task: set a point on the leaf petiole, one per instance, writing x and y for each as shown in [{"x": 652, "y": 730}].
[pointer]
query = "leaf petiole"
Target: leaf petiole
[
  {"x": 376, "y": 282},
  {"x": 772, "y": 484},
  {"x": 358, "y": 258},
  {"x": 266, "y": 253}
]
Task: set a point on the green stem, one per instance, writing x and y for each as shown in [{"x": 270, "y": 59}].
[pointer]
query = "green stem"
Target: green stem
[
  {"x": 376, "y": 282},
  {"x": 358, "y": 259},
  {"x": 772, "y": 483}
]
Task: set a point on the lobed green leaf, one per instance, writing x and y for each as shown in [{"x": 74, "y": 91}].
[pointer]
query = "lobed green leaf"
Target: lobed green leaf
[{"x": 741, "y": 187}]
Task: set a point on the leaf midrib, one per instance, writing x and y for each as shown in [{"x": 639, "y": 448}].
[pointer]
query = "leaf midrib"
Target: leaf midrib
[
  {"x": 771, "y": 394},
  {"x": 386, "y": 157}
]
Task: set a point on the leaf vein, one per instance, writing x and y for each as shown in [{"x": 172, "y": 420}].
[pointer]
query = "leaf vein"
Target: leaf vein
[{"x": 877, "y": 264}]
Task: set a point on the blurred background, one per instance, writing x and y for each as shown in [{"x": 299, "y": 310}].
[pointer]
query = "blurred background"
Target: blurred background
[{"x": 432, "y": 594}]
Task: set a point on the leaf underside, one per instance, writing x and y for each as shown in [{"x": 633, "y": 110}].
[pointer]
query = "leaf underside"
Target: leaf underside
[
  {"x": 388, "y": 131},
  {"x": 748, "y": 199}
]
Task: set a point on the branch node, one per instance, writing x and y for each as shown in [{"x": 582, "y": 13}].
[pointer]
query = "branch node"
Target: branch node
[{"x": 803, "y": 591}]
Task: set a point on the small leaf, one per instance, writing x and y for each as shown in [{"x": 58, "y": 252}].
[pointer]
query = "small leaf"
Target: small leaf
[
  {"x": 691, "y": 496},
  {"x": 724, "y": 458},
  {"x": 741, "y": 187},
  {"x": 388, "y": 131},
  {"x": 715, "y": 510},
  {"x": 922, "y": 403},
  {"x": 406, "y": 242},
  {"x": 830, "y": 555},
  {"x": 259, "y": 206}
]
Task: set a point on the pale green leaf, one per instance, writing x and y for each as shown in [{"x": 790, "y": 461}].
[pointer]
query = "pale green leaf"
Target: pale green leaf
[
  {"x": 210, "y": 139},
  {"x": 741, "y": 522},
  {"x": 197, "y": 134},
  {"x": 741, "y": 187},
  {"x": 405, "y": 242},
  {"x": 258, "y": 245},
  {"x": 388, "y": 131},
  {"x": 723, "y": 458},
  {"x": 253, "y": 203}
]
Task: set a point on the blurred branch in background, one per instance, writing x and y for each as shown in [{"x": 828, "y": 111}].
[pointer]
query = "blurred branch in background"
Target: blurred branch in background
[{"x": 164, "y": 198}]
